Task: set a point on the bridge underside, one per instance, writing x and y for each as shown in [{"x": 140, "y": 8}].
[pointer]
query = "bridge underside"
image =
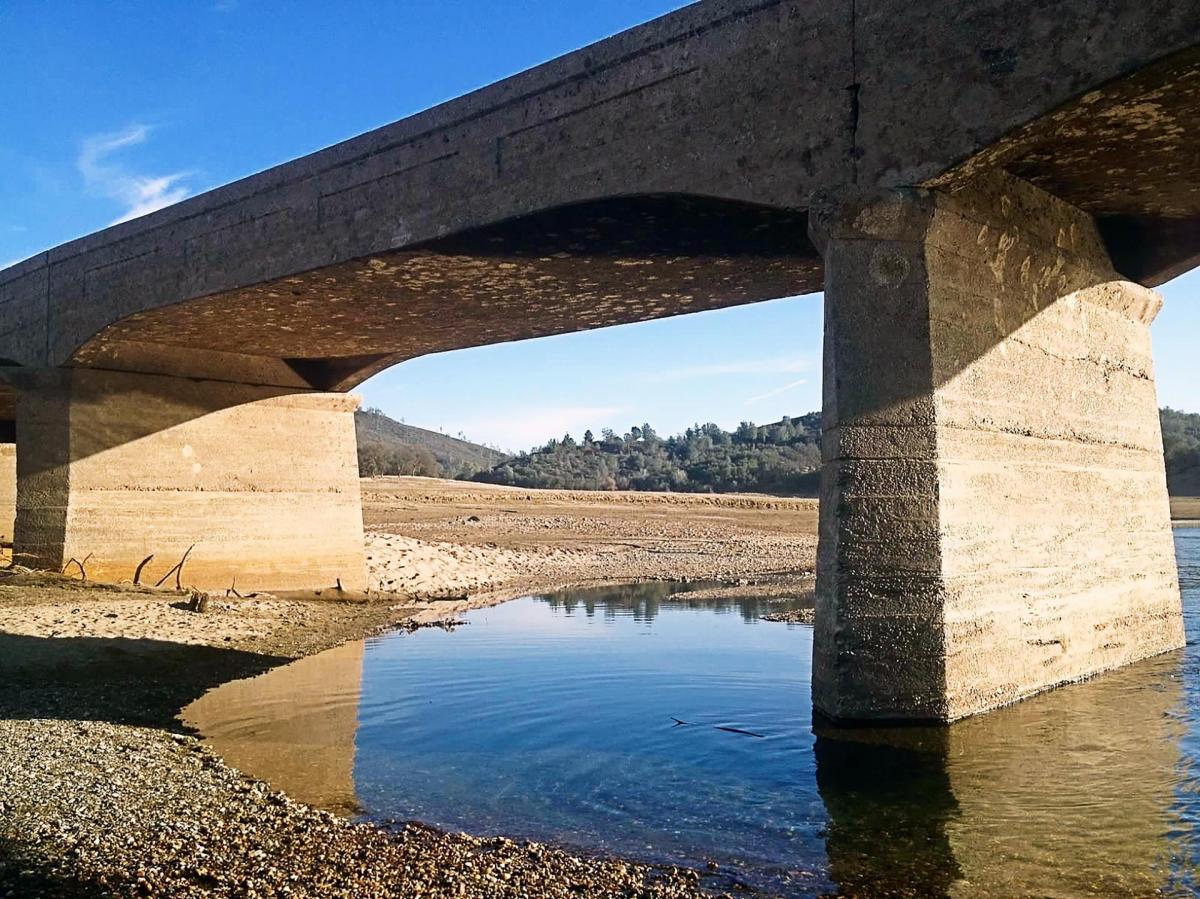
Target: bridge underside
[
  {"x": 1126, "y": 154},
  {"x": 572, "y": 269}
]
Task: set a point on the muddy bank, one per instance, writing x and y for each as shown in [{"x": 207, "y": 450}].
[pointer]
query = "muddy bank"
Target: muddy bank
[
  {"x": 1185, "y": 508},
  {"x": 1185, "y": 511}
]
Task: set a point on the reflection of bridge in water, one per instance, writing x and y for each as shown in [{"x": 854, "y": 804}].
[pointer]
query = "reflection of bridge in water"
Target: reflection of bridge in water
[
  {"x": 1084, "y": 791},
  {"x": 293, "y": 726}
]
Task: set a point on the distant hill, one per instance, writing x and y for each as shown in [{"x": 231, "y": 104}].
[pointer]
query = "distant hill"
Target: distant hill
[
  {"x": 1181, "y": 444},
  {"x": 1186, "y": 483},
  {"x": 387, "y": 446},
  {"x": 781, "y": 458}
]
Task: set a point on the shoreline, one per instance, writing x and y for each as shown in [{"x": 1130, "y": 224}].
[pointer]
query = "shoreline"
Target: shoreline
[
  {"x": 103, "y": 792},
  {"x": 135, "y": 804}
]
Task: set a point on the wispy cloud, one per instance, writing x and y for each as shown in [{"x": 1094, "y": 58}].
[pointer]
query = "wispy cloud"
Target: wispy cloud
[
  {"x": 139, "y": 194},
  {"x": 776, "y": 392},
  {"x": 776, "y": 366},
  {"x": 523, "y": 428}
]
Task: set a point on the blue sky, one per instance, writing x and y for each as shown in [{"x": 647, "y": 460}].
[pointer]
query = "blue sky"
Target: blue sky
[{"x": 111, "y": 109}]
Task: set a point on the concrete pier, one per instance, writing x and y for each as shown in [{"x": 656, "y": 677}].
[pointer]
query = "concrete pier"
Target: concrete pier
[
  {"x": 113, "y": 467},
  {"x": 994, "y": 512},
  {"x": 8, "y": 492}
]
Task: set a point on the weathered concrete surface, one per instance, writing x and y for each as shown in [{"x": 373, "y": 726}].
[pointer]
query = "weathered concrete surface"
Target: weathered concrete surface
[
  {"x": 671, "y": 169},
  {"x": 8, "y": 491},
  {"x": 114, "y": 467},
  {"x": 486, "y": 218},
  {"x": 1126, "y": 154},
  {"x": 645, "y": 259},
  {"x": 994, "y": 515}
]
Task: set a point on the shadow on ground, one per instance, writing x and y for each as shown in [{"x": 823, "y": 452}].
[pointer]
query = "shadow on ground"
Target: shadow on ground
[
  {"x": 122, "y": 681},
  {"x": 24, "y": 874},
  {"x": 144, "y": 683}
]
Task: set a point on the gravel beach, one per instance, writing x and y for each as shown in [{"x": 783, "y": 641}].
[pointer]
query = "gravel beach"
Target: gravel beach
[{"x": 99, "y": 809}]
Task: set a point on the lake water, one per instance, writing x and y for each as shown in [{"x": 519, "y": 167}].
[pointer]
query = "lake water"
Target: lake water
[{"x": 555, "y": 718}]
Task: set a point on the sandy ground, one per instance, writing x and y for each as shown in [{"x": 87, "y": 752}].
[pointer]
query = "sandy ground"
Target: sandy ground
[
  {"x": 103, "y": 793},
  {"x": 436, "y": 548},
  {"x": 431, "y": 536},
  {"x": 1185, "y": 509}
]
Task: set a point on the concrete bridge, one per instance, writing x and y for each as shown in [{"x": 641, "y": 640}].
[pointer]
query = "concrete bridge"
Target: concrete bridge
[{"x": 986, "y": 192}]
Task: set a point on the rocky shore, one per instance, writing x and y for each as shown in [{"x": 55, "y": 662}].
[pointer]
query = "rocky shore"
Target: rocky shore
[
  {"x": 99, "y": 809},
  {"x": 103, "y": 793}
]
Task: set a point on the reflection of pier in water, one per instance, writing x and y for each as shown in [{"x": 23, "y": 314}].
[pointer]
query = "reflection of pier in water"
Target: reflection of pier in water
[
  {"x": 293, "y": 726},
  {"x": 1069, "y": 793}
]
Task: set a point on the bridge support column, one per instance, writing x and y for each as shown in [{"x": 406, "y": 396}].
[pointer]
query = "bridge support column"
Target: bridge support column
[
  {"x": 994, "y": 512},
  {"x": 8, "y": 487},
  {"x": 115, "y": 467}
]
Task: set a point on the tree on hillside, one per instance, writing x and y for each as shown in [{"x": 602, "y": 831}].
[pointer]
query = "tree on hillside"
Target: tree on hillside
[
  {"x": 783, "y": 458},
  {"x": 746, "y": 433},
  {"x": 705, "y": 458},
  {"x": 375, "y": 458},
  {"x": 1181, "y": 440}
]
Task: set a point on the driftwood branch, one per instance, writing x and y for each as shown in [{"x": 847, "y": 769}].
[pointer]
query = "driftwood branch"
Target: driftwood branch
[
  {"x": 728, "y": 730},
  {"x": 177, "y": 570},
  {"x": 82, "y": 568},
  {"x": 137, "y": 574},
  {"x": 198, "y": 602}
]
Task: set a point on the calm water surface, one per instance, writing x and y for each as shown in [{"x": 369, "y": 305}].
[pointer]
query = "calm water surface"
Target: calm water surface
[{"x": 554, "y": 718}]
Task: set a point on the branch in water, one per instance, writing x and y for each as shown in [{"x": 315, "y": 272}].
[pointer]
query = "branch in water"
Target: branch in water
[{"x": 728, "y": 730}]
